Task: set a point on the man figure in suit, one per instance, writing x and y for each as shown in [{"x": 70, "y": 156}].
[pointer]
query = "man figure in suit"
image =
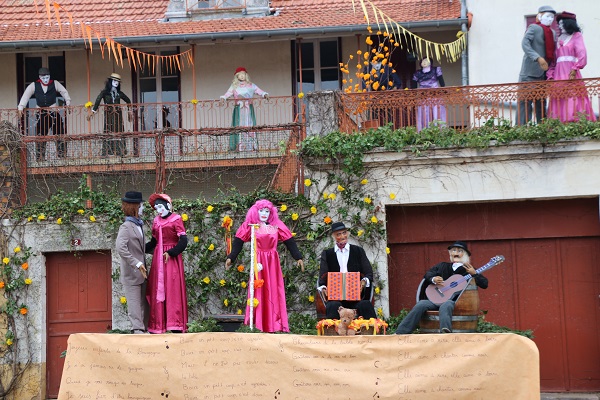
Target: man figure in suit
[
  {"x": 130, "y": 246},
  {"x": 460, "y": 263},
  {"x": 539, "y": 47},
  {"x": 345, "y": 257}
]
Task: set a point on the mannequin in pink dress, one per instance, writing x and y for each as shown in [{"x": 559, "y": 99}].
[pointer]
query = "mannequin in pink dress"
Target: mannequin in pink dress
[
  {"x": 568, "y": 103},
  {"x": 166, "y": 292},
  {"x": 270, "y": 312}
]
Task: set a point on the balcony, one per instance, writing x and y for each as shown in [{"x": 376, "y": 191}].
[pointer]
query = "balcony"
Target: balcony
[{"x": 190, "y": 146}]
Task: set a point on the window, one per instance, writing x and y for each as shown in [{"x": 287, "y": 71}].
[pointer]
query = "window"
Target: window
[{"x": 319, "y": 62}]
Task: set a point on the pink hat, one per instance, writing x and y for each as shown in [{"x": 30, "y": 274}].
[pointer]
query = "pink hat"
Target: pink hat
[
  {"x": 240, "y": 69},
  {"x": 157, "y": 196}
]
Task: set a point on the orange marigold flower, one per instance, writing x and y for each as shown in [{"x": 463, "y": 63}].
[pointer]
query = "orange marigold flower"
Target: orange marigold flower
[
  {"x": 25, "y": 266},
  {"x": 327, "y": 220},
  {"x": 240, "y": 268},
  {"x": 258, "y": 283},
  {"x": 1, "y": 284},
  {"x": 23, "y": 310}
]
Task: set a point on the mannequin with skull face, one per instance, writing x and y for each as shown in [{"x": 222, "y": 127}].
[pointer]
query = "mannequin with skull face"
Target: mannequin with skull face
[
  {"x": 166, "y": 292},
  {"x": 271, "y": 311},
  {"x": 46, "y": 93},
  {"x": 242, "y": 90},
  {"x": 538, "y": 46},
  {"x": 113, "y": 115}
]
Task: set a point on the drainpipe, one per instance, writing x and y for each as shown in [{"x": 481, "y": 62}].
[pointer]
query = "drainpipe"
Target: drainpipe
[{"x": 465, "y": 54}]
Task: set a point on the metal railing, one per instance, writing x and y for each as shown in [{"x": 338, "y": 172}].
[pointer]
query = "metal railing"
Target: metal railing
[{"x": 468, "y": 107}]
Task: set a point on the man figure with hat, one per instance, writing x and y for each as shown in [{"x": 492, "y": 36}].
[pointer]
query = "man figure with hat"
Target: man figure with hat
[
  {"x": 243, "y": 90},
  {"x": 46, "y": 92},
  {"x": 345, "y": 257},
  {"x": 538, "y": 45},
  {"x": 131, "y": 247},
  {"x": 459, "y": 264},
  {"x": 113, "y": 117}
]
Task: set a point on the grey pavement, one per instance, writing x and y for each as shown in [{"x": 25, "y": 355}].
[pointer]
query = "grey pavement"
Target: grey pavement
[{"x": 570, "y": 396}]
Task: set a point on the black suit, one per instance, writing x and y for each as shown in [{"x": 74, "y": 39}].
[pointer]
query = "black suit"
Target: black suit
[{"x": 357, "y": 262}]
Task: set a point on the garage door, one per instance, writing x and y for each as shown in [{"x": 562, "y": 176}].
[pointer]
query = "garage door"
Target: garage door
[{"x": 550, "y": 281}]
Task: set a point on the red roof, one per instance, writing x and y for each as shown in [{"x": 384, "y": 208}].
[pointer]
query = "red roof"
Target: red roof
[{"x": 21, "y": 20}]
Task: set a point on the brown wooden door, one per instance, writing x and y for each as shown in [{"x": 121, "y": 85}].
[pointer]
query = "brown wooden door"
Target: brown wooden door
[
  {"x": 79, "y": 300},
  {"x": 550, "y": 281}
]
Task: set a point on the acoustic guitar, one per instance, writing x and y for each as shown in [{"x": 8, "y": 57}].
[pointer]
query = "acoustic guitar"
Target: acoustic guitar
[{"x": 439, "y": 294}]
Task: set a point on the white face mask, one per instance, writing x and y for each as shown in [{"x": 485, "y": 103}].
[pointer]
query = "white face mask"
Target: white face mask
[
  {"x": 377, "y": 66},
  {"x": 45, "y": 79},
  {"x": 115, "y": 83},
  {"x": 263, "y": 214},
  {"x": 546, "y": 18},
  {"x": 161, "y": 210},
  {"x": 241, "y": 76},
  {"x": 141, "y": 209}
]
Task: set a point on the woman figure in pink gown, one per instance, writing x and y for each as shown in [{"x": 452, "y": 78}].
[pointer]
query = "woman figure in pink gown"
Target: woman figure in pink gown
[
  {"x": 571, "y": 57},
  {"x": 166, "y": 292},
  {"x": 270, "y": 314}
]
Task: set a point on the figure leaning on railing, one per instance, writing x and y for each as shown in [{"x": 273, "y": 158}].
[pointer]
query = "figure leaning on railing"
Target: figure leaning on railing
[
  {"x": 113, "y": 116},
  {"x": 45, "y": 91}
]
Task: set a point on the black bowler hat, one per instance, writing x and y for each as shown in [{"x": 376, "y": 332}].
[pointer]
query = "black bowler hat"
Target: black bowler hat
[
  {"x": 461, "y": 245},
  {"x": 133, "y": 197},
  {"x": 44, "y": 71},
  {"x": 338, "y": 226}
]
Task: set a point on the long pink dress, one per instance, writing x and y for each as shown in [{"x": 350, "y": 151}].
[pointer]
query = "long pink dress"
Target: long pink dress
[
  {"x": 567, "y": 102},
  {"x": 270, "y": 315},
  {"x": 166, "y": 292}
]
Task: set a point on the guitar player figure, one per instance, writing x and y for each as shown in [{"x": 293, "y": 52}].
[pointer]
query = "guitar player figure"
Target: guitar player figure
[{"x": 460, "y": 263}]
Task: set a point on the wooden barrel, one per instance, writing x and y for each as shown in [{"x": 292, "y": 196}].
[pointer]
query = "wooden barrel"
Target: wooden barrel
[{"x": 464, "y": 317}]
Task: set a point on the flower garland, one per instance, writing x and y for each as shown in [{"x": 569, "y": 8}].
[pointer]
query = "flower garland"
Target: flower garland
[{"x": 356, "y": 324}]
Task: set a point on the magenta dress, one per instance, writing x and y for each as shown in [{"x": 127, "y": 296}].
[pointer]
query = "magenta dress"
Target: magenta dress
[
  {"x": 270, "y": 315},
  {"x": 166, "y": 292},
  {"x": 432, "y": 109},
  {"x": 570, "y": 55}
]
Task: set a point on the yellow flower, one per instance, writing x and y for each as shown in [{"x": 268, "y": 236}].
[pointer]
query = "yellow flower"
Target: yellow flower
[
  {"x": 325, "y": 195},
  {"x": 311, "y": 298},
  {"x": 222, "y": 282},
  {"x": 88, "y": 104},
  {"x": 80, "y": 211},
  {"x": 194, "y": 101},
  {"x": 184, "y": 217},
  {"x": 243, "y": 284},
  {"x": 340, "y": 188},
  {"x": 364, "y": 181},
  {"x": 41, "y": 217},
  {"x": 293, "y": 234},
  {"x": 387, "y": 250},
  {"x": 255, "y": 302},
  {"x": 6, "y": 260},
  {"x": 392, "y": 196},
  {"x": 59, "y": 221},
  {"x": 294, "y": 216},
  {"x": 92, "y": 218},
  {"x": 28, "y": 281},
  {"x": 239, "y": 312},
  {"x": 17, "y": 249},
  {"x": 211, "y": 247},
  {"x": 226, "y": 302},
  {"x": 313, "y": 209},
  {"x": 307, "y": 182},
  {"x": 196, "y": 239},
  {"x": 123, "y": 300},
  {"x": 206, "y": 280},
  {"x": 29, "y": 219},
  {"x": 332, "y": 196},
  {"x": 9, "y": 341},
  {"x": 360, "y": 232},
  {"x": 377, "y": 290},
  {"x": 283, "y": 208},
  {"x": 380, "y": 311},
  {"x": 367, "y": 200},
  {"x": 300, "y": 95},
  {"x": 374, "y": 219},
  {"x": 210, "y": 208}
]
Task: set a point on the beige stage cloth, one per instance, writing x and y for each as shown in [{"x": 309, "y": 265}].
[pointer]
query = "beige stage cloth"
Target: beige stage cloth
[{"x": 208, "y": 366}]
